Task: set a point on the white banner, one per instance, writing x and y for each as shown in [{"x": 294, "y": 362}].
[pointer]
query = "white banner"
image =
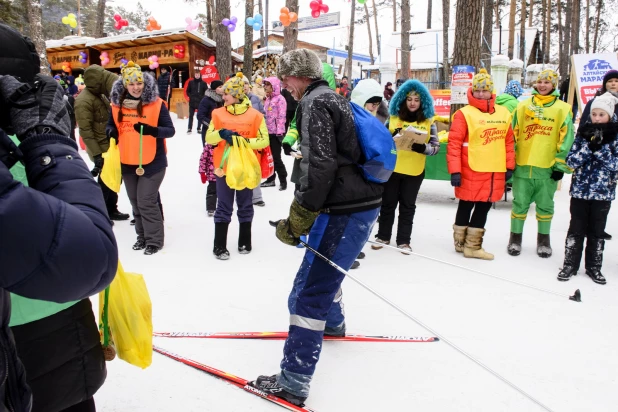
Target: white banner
[
  {"x": 589, "y": 70},
  {"x": 460, "y": 83},
  {"x": 309, "y": 23}
]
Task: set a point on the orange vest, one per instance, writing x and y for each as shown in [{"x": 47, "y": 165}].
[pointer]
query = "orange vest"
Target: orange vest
[
  {"x": 247, "y": 125},
  {"x": 129, "y": 138}
]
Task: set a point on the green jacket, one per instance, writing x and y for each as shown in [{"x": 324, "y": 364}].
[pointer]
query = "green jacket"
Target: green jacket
[
  {"x": 92, "y": 109},
  {"x": 507, "y": 101}
]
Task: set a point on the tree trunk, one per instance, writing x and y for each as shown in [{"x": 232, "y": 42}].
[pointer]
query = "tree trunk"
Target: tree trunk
[
  {"x": 511, "y": 28},
  {"x": 394, "y": 15},
  {"x": 488, "y": 18},
  {"x": 405, "y": 40},
  {"x": 587, "y": 26},
  {"x": 522, "y": 32},
  {"x": 545, "y": 34},
  {"x": 209, "y": 19},
  {"x": 429, "y": 6},
  {"x": 446, "y": 7},
  {"x": 468, "y": 27},
  {"x": 290, "y": 33},
  {"x": 262, "y": 38},
  {"x": 369, "y": 32},
  {"x": 223, "y": 40},
  {"x": 348, "y": 62},
  {"x": 575, "y": 26},
  {"x": 247, "y": 68},
  {"x": 566, "y": 41},
  {"x": 375, "y": 17},
  {"x": 530, "y": 13},
  {"x": 98, "y": 28},
  {"x": 596, "y": 26},
  {"x": 35, "y": 18},
  {"x": 547, "y": 16}
]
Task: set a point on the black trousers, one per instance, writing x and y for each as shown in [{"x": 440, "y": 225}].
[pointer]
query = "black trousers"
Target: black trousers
[
  {"x": 400, "y": 189},
  {"x": 109, "y": 196},
  {"x": 588, "y": 217},
  {"x": 192, "y": 110},
  {"x": 275, "y": 147},
  {"x": 479, "y": 217},
  {"x": 211, "y": 196},
  {"x": 85, "y": 406}
]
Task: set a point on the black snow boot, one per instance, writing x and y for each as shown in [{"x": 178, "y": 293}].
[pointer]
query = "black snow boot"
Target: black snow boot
[
  {"x": 355, "y": 265},
  {"x": 244, "y": 238},
  {"x": 140, "y": 244},
  {"x": 594, "y": 259},
  {"x": 269, "y": 385},
  {"x": 573, "y": 248},
  {"x": 220, "y": 250},
  {"x": 607, "y": 236},
  {"x": 543, "y": 246},
  {"x": 116, "y": 215},
  {"x": 514, "y": 247}
]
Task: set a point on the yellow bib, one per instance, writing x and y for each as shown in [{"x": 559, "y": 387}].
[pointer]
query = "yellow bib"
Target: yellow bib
[
  {"x": 486, "y": 138},
  {"x": 409, "y": 162},
  {"x": 537, "y": 144}
]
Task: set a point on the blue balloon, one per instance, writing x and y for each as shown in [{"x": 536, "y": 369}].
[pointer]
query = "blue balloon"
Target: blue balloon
[
  {"x": 250, "y": 21},
  {"x": 257, "y": 26},
  {"x": 258, "y": 17}
]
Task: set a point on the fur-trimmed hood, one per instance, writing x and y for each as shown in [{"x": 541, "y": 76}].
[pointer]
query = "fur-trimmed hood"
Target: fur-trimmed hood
[
  {"x": 402, "y": 93},
  {"x": 150, "y": 94},
  {"x": 213, "y": 95}
]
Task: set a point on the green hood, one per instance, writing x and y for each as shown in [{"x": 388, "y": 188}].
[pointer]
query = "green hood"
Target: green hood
[
  {"x": 329, "y": 75},
  {"x": 98, "y": 80},
  {"x": 505, "y": 98}
]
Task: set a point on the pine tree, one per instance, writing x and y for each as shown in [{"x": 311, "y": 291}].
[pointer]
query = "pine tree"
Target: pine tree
[
  {"x": 405, "y": 40},
  {"x": 290, "y": 33},
  {"x": 224, "y": 42},
  {"x": 247, "y": 67},
  {"x": 35, "y": 16}
]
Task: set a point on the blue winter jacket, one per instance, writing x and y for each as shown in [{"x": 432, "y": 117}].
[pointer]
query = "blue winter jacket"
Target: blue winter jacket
[
  {"x": 594, "y": 173},
  {"x": 56, "y": 241}
]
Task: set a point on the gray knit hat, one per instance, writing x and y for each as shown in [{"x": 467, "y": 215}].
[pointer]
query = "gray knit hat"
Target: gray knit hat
[{"x": 300, "y": 63}]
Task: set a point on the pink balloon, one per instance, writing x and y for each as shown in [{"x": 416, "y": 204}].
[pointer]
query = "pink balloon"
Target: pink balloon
[
  {"x": 117, "y": 17},
  {"x": 124, "y": 22},
  {"x": 118, "y": 26},
  {"x": 189, "y": 20},
  {"x": 324, "y": 8},
  {"x": 314, "y": 5},
  {"x": 315, "y": 14}
]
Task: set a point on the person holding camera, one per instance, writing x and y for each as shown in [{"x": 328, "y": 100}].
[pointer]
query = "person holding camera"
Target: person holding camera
[{"x": 57, "y": 246}]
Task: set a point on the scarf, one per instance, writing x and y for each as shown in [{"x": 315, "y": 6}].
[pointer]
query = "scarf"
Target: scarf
[
  {"x": 130, "y": 103},
  {"x": 599, "y": 133},
  {"x": 535, "y": 110}
]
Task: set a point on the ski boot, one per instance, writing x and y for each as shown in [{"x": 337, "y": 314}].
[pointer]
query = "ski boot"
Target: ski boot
[
  {"x": 269, "y": 385},
  {"x": 338, "y": 332}
]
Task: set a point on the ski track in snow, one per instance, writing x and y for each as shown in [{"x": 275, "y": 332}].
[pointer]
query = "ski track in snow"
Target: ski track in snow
[{"x": 561, "y": 352}]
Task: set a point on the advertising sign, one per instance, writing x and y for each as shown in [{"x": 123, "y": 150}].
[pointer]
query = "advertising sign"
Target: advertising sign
[
  {"x": 140, "y": 55},
  {"x": 308, "y": 23},
  {"x": 209, "y": 74},
  {"x": 588, "y": 71},
  {"x": 57, "y": 59},
  {"x": 460, "y": 82},
  {"x": 441, "y": 102}
]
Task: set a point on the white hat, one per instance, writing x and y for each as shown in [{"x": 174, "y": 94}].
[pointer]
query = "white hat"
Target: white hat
[{"x": 607, "y": 102}]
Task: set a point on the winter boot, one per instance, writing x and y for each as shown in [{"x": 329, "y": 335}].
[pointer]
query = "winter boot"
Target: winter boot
[
  {"x": 244, "y": 238},
  {"x": 514, "y": 247},
  {"x": 220, "y": 250},
  {"x": 116, "y": 215},
  {"x": 573, "y": 247},
  {"x": 355, "y": 265},
  {"x": 378, "y": 247},
  {"x": 140, "y": 244},
  {"x": 594, "y": 259},
  {"x": 361, "y": 255},
  {"x": 268, "y": 183},
  {"x": 283, "y": 186},
  {"x": 607, "y": 236},
  {"x": 474, "y": 241},
  {"x": 459, "y": 236},
  {"x": 543, "y": 247},
  {"x": 151, "y": 250},
  {"x": 269, "y": 385}
]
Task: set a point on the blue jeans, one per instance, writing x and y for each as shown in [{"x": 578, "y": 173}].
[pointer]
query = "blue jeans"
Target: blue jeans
[{"x": 315, "y": 300}]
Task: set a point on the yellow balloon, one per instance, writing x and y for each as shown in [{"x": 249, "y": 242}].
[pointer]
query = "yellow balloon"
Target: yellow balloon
[
  {"x": 65, "y": 20},
  {"x": 72, "y": 16},
  {"x": 73, "y": 24}
]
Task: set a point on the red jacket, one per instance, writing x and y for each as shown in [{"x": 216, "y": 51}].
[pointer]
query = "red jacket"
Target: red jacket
[{"x": 476, "y": 186}]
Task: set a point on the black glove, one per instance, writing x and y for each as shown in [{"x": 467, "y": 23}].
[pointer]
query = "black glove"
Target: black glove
[
  {"x": 557, "y": 175},
  {"x": 9, "y": 152},
  {"x": 396, "y": 132},
  {"x": 287, "y": 149},
  {"x": 508, "y": 175},
  {"x": 226, "y": 135},
  {"x": 456, "y": 179},
  {"x": 147, "y": 129},
  {"x": 98, "y": 165},
  {"x": 34, "y": 108},
  {"x": 419, "y": 147},
  {"x": 593, "y": 146},
  {"x": 113, "y": 133}
]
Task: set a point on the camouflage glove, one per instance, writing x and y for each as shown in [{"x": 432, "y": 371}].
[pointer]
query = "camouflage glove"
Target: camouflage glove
[{"x": 299, "y": 223}]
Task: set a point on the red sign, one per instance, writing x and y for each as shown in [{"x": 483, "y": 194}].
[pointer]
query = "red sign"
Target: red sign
[
  {"x": 209, "y": 74},
  {"x": 441, "y": 102},
  {"x": 587, "y": 93}
]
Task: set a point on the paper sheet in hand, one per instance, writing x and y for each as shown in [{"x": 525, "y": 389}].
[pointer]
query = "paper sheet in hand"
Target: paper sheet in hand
[{"x": 408, "y": 136}]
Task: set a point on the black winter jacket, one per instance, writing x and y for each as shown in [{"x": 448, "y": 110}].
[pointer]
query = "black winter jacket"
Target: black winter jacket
[
  {"x": 195, "y": 91},
  {"x": 210, "y": 102},
  {"x": 330, "y": 180},
  {"x": 163, "y": 82}
]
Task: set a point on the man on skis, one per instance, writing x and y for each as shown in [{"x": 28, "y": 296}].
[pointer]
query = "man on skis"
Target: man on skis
[{"x": 335, "y": 205}]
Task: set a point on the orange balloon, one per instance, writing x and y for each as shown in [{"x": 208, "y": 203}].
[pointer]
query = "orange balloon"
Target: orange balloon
[
  {"x": 285, "y": 10},
  {"x": 158, "y": 26},
  {"x": 293, "y": 16},
  {"x": 284, "y": 18},
  {"x": 149, "y": 27}
]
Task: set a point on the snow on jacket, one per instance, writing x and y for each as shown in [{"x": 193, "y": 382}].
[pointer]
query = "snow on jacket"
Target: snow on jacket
[
  {"x": 508, "y": 101},
  {"x": 275, "y": 107},
  {"x": 476, "y": 186},
  {"x": 365, "y": 90},
  {"x": 195, "y": 91},
  {"x": 92, "y": 109},
  {"x": 329, "y": 177},
  {"x": 210, "y": 102},
  {"x": 594, "y": 173}
]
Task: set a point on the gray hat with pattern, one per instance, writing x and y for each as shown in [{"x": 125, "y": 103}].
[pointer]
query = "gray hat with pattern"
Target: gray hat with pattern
[{"x": 300, "y": 63}]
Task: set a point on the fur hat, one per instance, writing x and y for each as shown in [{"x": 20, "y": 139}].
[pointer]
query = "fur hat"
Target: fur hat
[
  {"x": 514, "y": 89},
  {"x": 300, "y": 63},
  {"x": 549, "y": 74},
  {"x": 235, "y": 87},
  {"x": 482, "y": 81},
  {"x": 131, "y": 72},
  {"x": 606, "y": 102}
]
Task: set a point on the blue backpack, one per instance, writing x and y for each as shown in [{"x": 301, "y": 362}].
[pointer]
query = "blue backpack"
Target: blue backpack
[{"x": 377, "y": 145}]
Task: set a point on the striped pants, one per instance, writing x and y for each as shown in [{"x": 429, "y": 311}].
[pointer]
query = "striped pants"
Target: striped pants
[{"x": 539, "y": 191}]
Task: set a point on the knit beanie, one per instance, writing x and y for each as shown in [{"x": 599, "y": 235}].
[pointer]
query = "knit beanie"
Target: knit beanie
[
  {"x": 606, "y": 102},
  {"x": 300, "y": 63},
  {"x": 235, "y": 87},
  {"x": 18, "y": 56},
  {"x": 215, "y": 84},
  {"x": 514, "y": 89},
  {"x": 550, "y": 75},
  {"x": 131, "y": 72},
  {"x": 482, "y": 81},
  {"x": 258, "y": 80},
  {"x": 612, "y": 74}
]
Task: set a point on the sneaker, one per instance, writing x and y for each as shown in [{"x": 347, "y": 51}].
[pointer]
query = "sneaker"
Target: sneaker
[
  {"x": 406, "y": 248},
  {"x": 132, "y": 222},
  {"x": 189, "y": 131},
  {"x": 284, "y": 186},
  {"x": 269, "y": 385},
  {"x": 151, "y": 250},
  {"x": 221, "y": 253},
  {"x": 355, "y": 265},
  {"x": 259, "y": 203},
  {"x": 378, "y": 247},
  {"x": 119, "y": 216},
  {"x": 244, "y": 250},
  {"x": 361, "y": 255},
  {"x": 211, "y": 213},
  {"x": 268, "y": 184},
  {"x": 139, "y": 245}
]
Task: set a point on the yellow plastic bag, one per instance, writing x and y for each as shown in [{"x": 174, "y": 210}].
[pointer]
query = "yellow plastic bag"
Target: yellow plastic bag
[
  {"x": 243, "y": 169},
  {"x": 125, "y": 318},
  {"x": 111, "y": 174}
]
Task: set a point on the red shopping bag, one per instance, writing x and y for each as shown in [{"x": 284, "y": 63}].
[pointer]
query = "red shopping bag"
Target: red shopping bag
[{"x": 267, "y": 163}]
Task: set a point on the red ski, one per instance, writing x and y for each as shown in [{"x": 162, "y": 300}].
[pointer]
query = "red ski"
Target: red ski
[
  {"x": 232, "y": 379},
  {"x": 284, "y": 335}
]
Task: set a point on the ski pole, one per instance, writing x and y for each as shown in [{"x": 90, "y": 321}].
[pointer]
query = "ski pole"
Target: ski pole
[
  {"x": 418, "y": 322},
  {"x": 577, "y": 297}
]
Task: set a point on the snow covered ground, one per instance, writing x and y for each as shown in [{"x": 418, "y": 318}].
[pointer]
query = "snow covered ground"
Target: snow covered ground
[{"x": 560, "y": 352}]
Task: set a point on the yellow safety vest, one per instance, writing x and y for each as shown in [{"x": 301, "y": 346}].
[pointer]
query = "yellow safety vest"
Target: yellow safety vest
[
  {"x": 537, "y": 144},
  {"x": 409, "y": 162},
  {"x": 487, "y": 138}
]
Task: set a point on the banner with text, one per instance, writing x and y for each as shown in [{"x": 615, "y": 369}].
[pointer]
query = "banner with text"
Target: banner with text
[
  {"x": 589, "y": 70},
  {"x": 168, "y": 53},
  {"x": 460, "y": 82},
  {"x": 441, "y": 102}
]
